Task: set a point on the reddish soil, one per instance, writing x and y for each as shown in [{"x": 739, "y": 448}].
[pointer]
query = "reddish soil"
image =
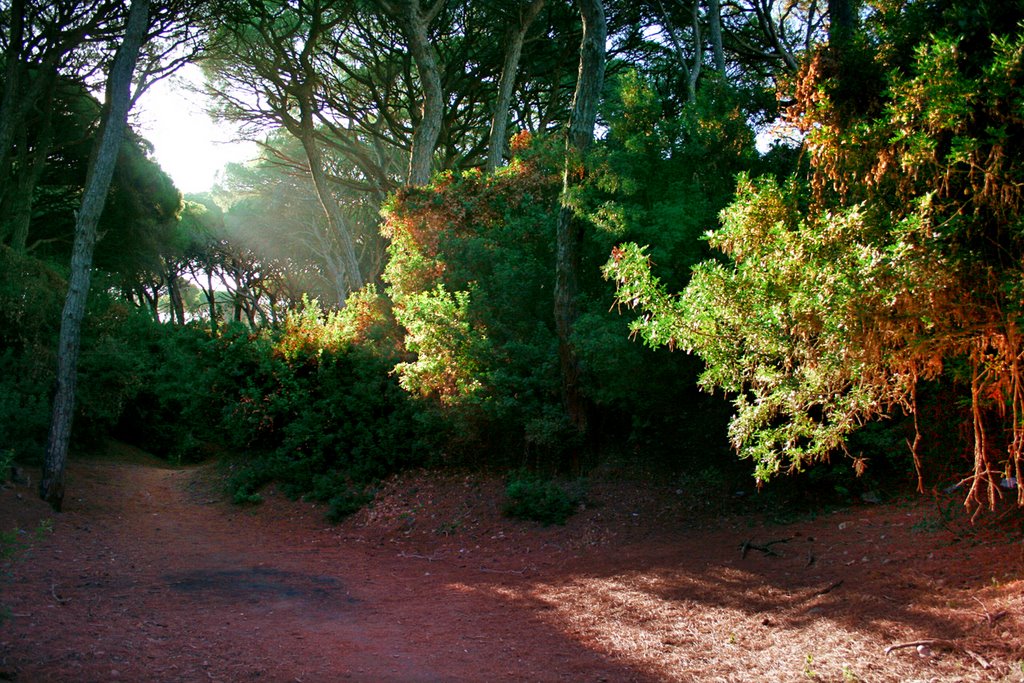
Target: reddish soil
[{"x": 151, "y": 575}]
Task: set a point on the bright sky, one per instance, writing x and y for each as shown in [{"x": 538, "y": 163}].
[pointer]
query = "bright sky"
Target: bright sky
[{"x": 188, "y": 145}]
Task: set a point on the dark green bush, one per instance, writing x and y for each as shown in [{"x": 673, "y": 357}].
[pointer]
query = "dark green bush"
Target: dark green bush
[
  {"x": 30, "y": 303},
  {"x": 31, "y": 297},
  {"x": 322, "y": 417},
  {"x": 530, "y": 497}
]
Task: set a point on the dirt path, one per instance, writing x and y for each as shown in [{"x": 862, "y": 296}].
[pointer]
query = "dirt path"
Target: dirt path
[{"x": 150, "y": 576}]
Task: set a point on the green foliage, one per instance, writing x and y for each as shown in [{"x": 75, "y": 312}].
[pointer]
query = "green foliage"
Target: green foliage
[
  {"x": 898, "y": 257},
  {"x": 314, "y": 404},
  {"x": 472, "y": 270},
  {"x": 31, "y": 297},
  {"x": 109, "y": 368},
  {"x": 30, "y": 304},
  {"x": 438, "y": 331},
  {"x": 470, "y": 276},
  {"x": 319, "y": 414},
  {"x": 183, "y": 400},
  {"x": 530, "y": 497},
  {"x": 778, "y": 337}
]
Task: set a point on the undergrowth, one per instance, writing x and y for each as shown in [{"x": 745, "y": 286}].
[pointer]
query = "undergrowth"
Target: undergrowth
[{"x": 530, "y": 497}]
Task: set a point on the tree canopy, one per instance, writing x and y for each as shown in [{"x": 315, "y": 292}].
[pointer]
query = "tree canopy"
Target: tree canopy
[{"x": 465, "y": 214}]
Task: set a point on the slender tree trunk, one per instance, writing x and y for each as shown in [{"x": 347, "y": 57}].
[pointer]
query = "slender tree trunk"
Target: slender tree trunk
[
  {"x": 698, "y": 56},
  {"x": 174, "y": 295},
  {"x": 211, "y": 297},
  {"x": 28, "y": 149},
  {"x": 568, "y": 230},
  {"x": 97, "y": 183},
  {"x": 424, "y": 139},
  {"x": 842, "y": 29},
  {"x": 13, "y": 68},
  {"x": 335, "y": 218},
  {"x": 151, "y": 300},
  {"x": 414, "y": 19},
  {"x": 506, "y": 86},
  {"x": 24, "y": 184},
  {"x": 715, "y": 28},
  {"x": 684, "y": 67}
]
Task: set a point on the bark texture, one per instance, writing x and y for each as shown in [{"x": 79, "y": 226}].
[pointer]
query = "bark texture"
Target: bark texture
[
  {"x": 842, "y": 25},
  {"x": 97, "y": 183},
  {"x": 568, "y": 232},
  {"x": 335, "y": 218},
  {"x": 507, "y": 83},
  {"x": 715, "y": 29},
  {"x": 414, "y": 18},
  {"x": 12, "y": 78}
]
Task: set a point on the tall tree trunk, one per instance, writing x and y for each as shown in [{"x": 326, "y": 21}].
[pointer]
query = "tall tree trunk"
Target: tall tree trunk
[
  {"x": 97, "y": 183},
  {"x": 715, "y": 29},
  {"x": 569, "y": 229},
  {"x": 177, "y": 304},
  {"x": 506, "y": 85},
  {"x": 698, "y": 56},
  {"x": 689, "y": 79},
  {"x": 211, "y": 297},
  {"x": 842, "y": 25},
  {"x": 427, "y": 133},
  {"x": 22, "y": 200},
  {"x": 842, "y": 29},
  {"x": 13, "y": 68},
  {"x": 335, "y": 218},
  {"x": 414, "y": 20}
]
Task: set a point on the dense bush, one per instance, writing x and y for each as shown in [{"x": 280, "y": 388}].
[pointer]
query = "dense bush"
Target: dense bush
[
  {"x": 31, "y": 297},
  {"x": 314, "y": 405},
  {"x": 30, "y": 304},
  {"x": 530, "y": 497},
  {"x": 471, "y": 276},
  {"x": 894, "y": 263},
  {"x": 319, "y": 414}
]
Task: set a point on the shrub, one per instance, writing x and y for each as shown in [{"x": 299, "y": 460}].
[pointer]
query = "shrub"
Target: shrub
[
  {"x": 320, "y": 413},
  {"x": 532, "y": 498}
]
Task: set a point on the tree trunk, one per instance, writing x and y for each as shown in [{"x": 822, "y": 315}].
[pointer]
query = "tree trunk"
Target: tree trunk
[
  {"x": 177, "y": 304},
  {"x": 698, "y": 56},
  {"x": 211, "y": 297},
  {"x": 335, "y": 218},
  {"x": 677, "y": 46},
  {"x": 19, "y": 195},
  {"x": 715, "y": 28},
  {"x": 842, "y": 24},
  {"x": 842, "y": 30},
  {"x": 568, "y": 230},
  {"x": 506, "y": 86},
  {"x": 97, "y": 183},
  {"x": 414, "y": 21},
  {"x": 13, "y": 68}
]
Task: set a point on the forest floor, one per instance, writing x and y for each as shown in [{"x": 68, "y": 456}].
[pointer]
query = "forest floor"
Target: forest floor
[{"x": 150, "y": 574}]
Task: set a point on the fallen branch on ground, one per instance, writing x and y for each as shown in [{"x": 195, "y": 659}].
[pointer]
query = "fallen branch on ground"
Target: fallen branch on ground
[
  {"x": 948, "y": 644},
  {"x": 992, "y": 618},
  {"x": 503, "y": 571},
  {"x": 747, "y": 546},
  {"x": 828, "y": 589},
  {"x": 428, "y": 558},
  {"x": 919, "y": 643}
]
